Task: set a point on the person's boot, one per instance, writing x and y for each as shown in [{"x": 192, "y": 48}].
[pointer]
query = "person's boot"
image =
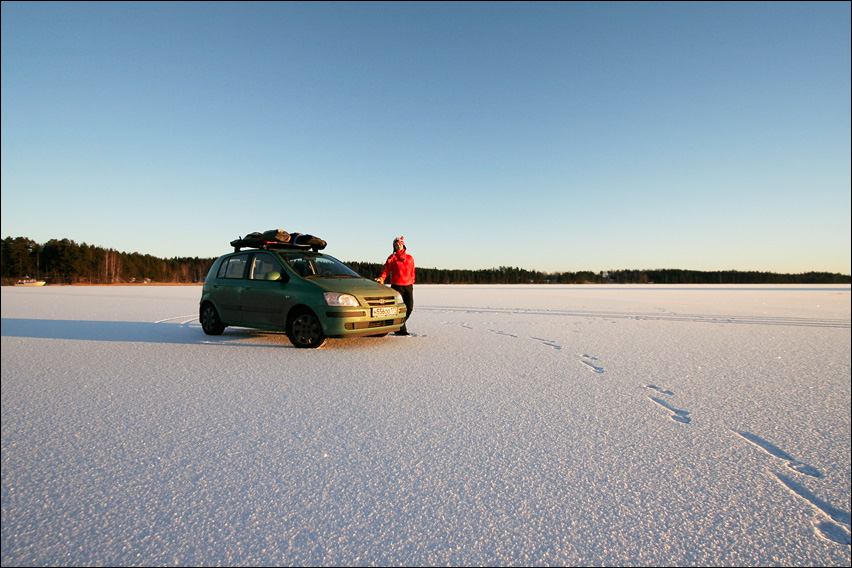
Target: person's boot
[{"x": 402, "y": 331}]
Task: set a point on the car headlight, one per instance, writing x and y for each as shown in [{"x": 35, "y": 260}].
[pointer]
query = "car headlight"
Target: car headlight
[
  {"x": 338, "y": 299},
  {"x": 398, "y": 297}
]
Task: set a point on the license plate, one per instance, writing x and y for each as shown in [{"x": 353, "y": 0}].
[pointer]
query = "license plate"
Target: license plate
[{"x": 385, "y": 311}]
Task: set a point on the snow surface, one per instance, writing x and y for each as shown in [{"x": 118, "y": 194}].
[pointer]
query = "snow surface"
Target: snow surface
[{"x": 520, "y": 425}]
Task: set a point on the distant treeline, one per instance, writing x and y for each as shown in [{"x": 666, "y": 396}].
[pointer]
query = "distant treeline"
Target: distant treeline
[
  {"x": 508, "y": 275},
  {"x": 66, "y": 262}
]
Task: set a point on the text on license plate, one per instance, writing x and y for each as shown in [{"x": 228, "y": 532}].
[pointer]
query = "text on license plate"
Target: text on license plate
[{"x": 385, "y": 311}]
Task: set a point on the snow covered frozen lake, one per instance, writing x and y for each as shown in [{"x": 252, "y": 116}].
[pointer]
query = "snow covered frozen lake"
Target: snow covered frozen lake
[{"x": 520, "y": 425}]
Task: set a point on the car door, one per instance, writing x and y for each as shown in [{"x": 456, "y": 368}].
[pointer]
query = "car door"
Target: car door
[
  {"x": 228, "y": 286},
  {"x": 262, "y": 300}
]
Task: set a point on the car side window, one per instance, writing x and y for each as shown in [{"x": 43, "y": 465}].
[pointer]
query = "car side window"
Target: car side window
[
  {"x": 301, "y": 265},
  {"x": 264, "y": 268},
  {"x": 233, "y": 267}
]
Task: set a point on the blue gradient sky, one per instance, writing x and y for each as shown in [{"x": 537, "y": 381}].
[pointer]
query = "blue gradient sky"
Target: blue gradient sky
[{"x": 554, "y": 137}]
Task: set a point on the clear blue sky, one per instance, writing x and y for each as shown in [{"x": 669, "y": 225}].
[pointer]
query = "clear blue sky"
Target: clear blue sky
[{"x": 554, "y": 136}]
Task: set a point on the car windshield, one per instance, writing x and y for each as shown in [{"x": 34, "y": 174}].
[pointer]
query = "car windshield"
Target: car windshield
[{"x": 316, "y": 265}]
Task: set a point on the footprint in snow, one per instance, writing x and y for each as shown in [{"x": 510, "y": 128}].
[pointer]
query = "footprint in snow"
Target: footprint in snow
[
  {"x": 831, "y": 528},
  {"x": 777, "y": 452},
  {"x": 659, "y": 390},
  {"x": 587, "y": 359},
  {"x": 464, "y": 325},
  {"x": 503, "y": 333},
  {"x": 549, "y": 343},
  {"x": 681, "y": 416}
]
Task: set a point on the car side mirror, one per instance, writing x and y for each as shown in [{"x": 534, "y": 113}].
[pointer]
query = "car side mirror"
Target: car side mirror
[{"x": 277, "y": 276}]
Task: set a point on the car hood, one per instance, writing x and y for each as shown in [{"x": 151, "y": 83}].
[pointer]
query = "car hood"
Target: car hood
[{"x": 358, "y": 286}]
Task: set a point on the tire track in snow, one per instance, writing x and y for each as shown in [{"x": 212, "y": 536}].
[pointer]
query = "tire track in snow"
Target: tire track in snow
[{"x": 669, "y": 316}]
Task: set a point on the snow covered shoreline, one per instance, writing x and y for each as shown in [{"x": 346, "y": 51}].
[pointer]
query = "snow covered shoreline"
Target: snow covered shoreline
[{"x": 521, "y": 425}]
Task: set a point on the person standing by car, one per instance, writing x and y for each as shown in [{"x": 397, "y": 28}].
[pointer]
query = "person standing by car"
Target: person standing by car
[{"x": 400, "y": 267}]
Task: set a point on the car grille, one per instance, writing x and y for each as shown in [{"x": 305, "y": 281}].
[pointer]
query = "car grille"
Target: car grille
[
  {"x": 380, "y": 300},
  {"x": 372, "y": 324}
]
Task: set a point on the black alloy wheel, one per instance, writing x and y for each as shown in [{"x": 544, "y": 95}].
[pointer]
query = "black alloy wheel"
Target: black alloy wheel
[
  {"x": 305, "y": 331},
  {"x": 210, "y": 322}
]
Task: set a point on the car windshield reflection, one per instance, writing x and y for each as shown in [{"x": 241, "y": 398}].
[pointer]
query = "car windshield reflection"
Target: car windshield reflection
[{"x": 315, "y": 265}]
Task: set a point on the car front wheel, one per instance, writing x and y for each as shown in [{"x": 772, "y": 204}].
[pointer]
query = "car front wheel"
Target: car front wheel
[
  {"x": 304, "y": 330},
  {"x": 210, "y": 322}
]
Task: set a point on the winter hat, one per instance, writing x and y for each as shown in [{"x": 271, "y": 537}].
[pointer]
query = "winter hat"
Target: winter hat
[{"x": 400, "y": 241}]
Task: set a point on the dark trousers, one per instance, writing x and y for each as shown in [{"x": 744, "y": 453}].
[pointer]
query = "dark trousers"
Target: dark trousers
[{"x": 407, "y": 293}]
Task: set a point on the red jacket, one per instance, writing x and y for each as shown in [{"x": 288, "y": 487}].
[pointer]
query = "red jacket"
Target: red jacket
[{"x": 400, "y": 266}]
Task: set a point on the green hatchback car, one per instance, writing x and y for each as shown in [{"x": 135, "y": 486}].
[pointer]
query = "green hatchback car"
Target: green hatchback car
[{"x": 307, "y": 294}]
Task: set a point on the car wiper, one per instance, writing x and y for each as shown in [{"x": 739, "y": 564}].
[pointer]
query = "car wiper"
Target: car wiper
[{"x": 328, "y": 276}]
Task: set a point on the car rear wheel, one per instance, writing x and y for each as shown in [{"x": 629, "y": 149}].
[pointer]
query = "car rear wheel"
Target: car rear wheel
[
  {"x": 210, "y": 322},
  {"x": 304, "y": 330}
]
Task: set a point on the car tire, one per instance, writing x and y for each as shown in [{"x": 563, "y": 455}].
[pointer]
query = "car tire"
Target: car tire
[
  {"x": 210, "y": 322},
  {"x": 304, "y": 330}
]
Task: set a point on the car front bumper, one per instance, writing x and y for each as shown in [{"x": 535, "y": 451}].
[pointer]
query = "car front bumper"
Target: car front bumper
[{"x": 355, "y": 322}]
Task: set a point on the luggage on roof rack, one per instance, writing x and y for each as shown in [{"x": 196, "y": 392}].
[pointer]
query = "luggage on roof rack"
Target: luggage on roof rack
[{"x": 278, "y": 239}]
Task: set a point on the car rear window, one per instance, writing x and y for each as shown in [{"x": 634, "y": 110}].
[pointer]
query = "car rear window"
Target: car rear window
[{"x": 234, "y": 267}]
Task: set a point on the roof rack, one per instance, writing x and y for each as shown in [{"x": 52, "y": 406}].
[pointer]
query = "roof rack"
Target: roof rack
[
  {"x": 242, "y": 243},
  {"x": 278, "y": 239}
]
